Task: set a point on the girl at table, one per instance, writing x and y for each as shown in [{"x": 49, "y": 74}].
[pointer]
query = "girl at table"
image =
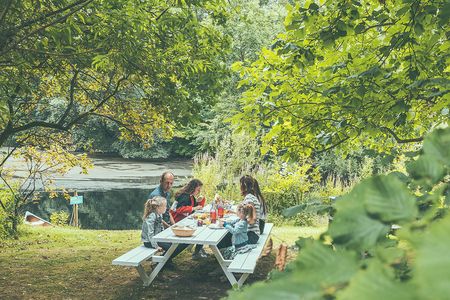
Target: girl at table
[
  {"x": 153, "y": 224},
  {"x": 247, "y": 186},
  {"x": 186, "y": 204},
  {"x": 238, "y": 229}
]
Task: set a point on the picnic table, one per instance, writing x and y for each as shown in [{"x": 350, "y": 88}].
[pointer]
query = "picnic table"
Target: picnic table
[{"x": 204, "y": 235}]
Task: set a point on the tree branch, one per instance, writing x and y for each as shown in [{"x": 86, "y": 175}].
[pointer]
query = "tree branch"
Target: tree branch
[
  {"x": 73, "y": 82},
  {"x": 399, "y": 140},
  {"x": 52, "y": 13},
  {"x": 58, "y": 20}
]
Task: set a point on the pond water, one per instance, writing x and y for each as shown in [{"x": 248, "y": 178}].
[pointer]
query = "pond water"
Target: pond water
[
  {"x": 106, "y": 209},
  {"x": 114, "y": 192}
]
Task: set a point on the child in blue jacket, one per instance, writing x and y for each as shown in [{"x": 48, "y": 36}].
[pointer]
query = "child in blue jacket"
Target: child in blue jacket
[{"x": 238, "y": 229}]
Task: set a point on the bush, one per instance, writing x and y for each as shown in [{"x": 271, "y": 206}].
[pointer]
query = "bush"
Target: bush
[
  {"x": 368, "y": 259},
  {"x": 7, "y": 216},
  {"x": 236, "y": 155},
  {"x": 284, "y": 185},
  {"x": 60, "y": 218}
]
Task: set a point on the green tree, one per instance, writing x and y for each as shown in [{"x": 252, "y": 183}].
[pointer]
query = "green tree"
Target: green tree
[
  {"x": 143, "y": 65},
  {"x": 251, "y": 25},
  {"x": 139, "y": 64},
  {"x": 373, "y": 73}
]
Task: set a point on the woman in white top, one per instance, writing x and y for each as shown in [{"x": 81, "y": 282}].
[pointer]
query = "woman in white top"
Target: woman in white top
[{"x": 249, "y": 189}]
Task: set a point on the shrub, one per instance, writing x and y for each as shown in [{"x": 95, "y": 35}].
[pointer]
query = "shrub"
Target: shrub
[
  {"x": 7, "y": 216},
  {"x": 285, "y": 185},
  {"x": 368, "y": 258},
  {"x": 60, "y": 218},
  {"x": 236, "y": 155}
]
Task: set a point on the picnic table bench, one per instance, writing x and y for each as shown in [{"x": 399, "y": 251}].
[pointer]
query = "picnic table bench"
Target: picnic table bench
[{"x": 243, "y": 263}]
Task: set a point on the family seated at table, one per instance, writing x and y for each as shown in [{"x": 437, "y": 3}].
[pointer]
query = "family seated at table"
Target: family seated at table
[{"x": 243, "y": 232}]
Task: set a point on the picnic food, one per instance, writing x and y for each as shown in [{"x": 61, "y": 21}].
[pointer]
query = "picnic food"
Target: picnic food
[
  {"x": 201, "y": 216},
  {"x": 183, "y": 230}
]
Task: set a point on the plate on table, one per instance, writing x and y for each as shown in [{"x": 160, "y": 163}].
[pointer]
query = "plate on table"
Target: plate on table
[{"x": 215, "y": 226}]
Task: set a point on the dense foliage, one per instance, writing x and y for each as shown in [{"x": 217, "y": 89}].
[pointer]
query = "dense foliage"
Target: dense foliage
[
  {"x": 348, "y": 73},
  {"x": 141, "y": 65},
  {"x": 251, "y": 25},
  {"x": 367, "y": 258}
]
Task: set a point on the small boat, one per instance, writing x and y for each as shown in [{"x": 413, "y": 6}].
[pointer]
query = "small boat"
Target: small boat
[{"x": 32, "y": 219}]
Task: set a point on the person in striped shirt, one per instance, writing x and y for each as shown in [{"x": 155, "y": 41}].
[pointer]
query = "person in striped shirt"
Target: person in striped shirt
[{"x": 249, "y": 190}]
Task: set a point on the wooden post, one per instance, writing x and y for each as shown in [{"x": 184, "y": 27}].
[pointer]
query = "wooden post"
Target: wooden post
[{"x": 75, "y": 212}]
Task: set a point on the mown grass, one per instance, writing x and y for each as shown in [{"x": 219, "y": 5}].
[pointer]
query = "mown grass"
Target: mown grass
[{"x": 69, "y": 263}]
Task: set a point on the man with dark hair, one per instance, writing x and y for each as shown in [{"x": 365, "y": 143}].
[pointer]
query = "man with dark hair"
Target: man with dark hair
[{"x": 163, "y": 190}]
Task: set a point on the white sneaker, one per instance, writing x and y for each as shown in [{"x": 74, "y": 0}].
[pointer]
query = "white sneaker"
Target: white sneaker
[{"x": 200, "y": 254}]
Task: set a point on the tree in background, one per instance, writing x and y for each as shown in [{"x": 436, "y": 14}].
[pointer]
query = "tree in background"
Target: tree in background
[
  {"x": 350, "y": 73},
  {"x": 251, "y": 26},
  {"x": 142, "y": 65},
  {"x": 139, "y": 64}
]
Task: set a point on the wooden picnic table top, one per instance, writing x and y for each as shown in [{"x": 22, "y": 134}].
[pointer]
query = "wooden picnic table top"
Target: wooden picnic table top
[{"x": 203, "y": 235}]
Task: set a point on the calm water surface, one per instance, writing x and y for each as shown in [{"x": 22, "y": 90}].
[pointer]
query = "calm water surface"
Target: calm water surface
[
  {"x": 114, "y": 192},
  {"x": 110, "y": 209}
]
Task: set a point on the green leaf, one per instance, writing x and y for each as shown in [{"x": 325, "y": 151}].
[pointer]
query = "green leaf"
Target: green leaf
[
  {"x": 313, "y": 6},
  {"x": 444, "y": 13},
  {"x": 352, "y": 227},
  {"x": 388, "y": 198},
  {"x": 317, "y": 269},
  {"x": 390, "y": 255},
  {"x": 377, "y": 282},
  {"x": 292, "y": 211},
  {"x": 359, "y": 28},
  {"x": 426, "y": 168},
  {"x": 324, "y": 266},
  {"x": 437, "y": 145},
  {"x": 432, "y": 263},
  {"x": 308, "y": 207},
  {"x": 418, "y": 29}
]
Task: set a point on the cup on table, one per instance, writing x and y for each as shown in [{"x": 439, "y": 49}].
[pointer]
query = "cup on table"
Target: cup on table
[{"x": 220, "y": 211}]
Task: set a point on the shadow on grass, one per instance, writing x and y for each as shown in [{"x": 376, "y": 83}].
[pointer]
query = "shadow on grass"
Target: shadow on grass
[{"x": 191, "y": 280}]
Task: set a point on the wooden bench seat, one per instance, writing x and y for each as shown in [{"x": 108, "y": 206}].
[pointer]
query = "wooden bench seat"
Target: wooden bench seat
[
  {"x": 134, "y": 257},
  {"x": 246, "y": 262}
]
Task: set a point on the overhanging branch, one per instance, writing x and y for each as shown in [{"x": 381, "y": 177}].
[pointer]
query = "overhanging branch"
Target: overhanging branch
[{"x": 400, "y": 140}]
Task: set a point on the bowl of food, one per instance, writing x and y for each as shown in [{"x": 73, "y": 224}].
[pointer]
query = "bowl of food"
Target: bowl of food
[{"x": 183, "y": 230}]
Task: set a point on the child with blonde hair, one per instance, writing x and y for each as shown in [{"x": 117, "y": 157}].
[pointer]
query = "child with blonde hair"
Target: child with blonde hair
[
  {"x": 238, "y": 229},
  {"x": 152, "y": 224}
]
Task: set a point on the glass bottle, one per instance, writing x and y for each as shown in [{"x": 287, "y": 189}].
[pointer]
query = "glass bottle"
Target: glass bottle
[{"x": 213, "y": 214}]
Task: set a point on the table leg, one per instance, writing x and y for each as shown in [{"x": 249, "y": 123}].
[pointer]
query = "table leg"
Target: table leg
[
  {"x": 224, "y": 264},
  {"x": 148, "y": 279}
]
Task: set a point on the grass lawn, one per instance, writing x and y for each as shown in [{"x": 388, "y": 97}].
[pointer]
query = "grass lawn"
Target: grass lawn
[{"x": 55, "y": 263}]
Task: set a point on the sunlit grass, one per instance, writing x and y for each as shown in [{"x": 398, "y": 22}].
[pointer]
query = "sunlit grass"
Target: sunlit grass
[{"x": 65, "y": 262}]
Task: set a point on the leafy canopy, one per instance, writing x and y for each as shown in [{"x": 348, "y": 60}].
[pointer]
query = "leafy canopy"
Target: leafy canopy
[
  {"x": 373, "y": 73},
  {"x": 147, "y": 66},
  {"x": 141, "y": 64}
]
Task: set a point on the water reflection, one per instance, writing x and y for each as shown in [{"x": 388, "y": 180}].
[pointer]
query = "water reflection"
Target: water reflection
[{"x": 112, "y": 209}]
